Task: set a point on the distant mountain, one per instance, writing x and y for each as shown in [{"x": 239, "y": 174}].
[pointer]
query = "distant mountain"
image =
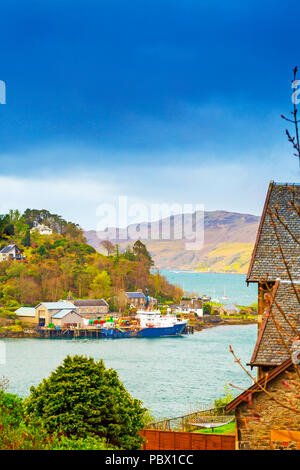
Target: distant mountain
[{"x": 228, "y": 241}]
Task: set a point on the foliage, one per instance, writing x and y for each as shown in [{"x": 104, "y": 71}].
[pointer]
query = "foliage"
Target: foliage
[
  {"x": 226, "y": 398},
  {"x": 207, "y": 309},
  {"x": 88, "y": 443},
  {"x": 62, "y": 262},
  {"x": 82, "y": 398}
]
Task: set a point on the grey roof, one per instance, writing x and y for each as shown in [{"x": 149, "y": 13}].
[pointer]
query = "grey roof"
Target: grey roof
[
  {"x": 135, "y": 295},
  {"x": 8, "y": 248},
  {"x": 25, "y": 312},
  {"x": 63, "y": 313},
  {"x": 90, "y": 303},
  {"x": 269, "y": 349},
  {"x": 58, "y": 305},
  {"x": 231, "y": 307},
  {"x": 266, "y": 259}
]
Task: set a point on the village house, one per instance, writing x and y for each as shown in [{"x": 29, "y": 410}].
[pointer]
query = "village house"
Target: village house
[
  {"x": 90, "y": 308},
  {"x": 42, "y": 229},
  {"x": 229, "y": 309},
  {"x": 136, "y": 299},
  {"x": 261, "y": 422},
  {"x": 194, "y": 305},
  {"x": 11, "y": 252}
]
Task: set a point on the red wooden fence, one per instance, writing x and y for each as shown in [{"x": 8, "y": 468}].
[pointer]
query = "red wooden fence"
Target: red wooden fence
[{"x": 173, "y": 440}]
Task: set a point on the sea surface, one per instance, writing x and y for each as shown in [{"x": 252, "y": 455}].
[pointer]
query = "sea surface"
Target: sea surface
[
  {"x": 215, "y": 285},
  {"x": 172, "y": 376}
]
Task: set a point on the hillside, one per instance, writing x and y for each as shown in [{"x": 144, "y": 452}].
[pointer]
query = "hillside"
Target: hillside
[
  {"x": 228, "y": 241},
  {"x": 63, "y": 261}
]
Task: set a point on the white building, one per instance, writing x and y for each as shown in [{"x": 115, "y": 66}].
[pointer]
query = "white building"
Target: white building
[{"x": 42, "y": 229}]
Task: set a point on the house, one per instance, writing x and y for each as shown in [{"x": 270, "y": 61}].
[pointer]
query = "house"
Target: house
[
  {"x": 136, "y": 299},
  {"x": 268, "y": 271},
  {"x": 229, "y": 309},
  {"x": 42, "y": 229},
  {"x": 261, "y": 422},
  {"x": 194, "y": 305},
  {"x": 89, "y": 308},
  {"x": 11, "y": 252},
  {"x": 45, "y": 311}
]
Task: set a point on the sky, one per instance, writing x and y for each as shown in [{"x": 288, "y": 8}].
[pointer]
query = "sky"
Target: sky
[{"x": 160, "y": 101}]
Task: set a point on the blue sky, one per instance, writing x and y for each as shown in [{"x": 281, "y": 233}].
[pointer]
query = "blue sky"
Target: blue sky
[{"x": 162, "y": 101}]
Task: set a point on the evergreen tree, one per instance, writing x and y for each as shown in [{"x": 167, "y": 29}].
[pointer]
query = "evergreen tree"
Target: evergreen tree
[{"x": 82, "y": 398}]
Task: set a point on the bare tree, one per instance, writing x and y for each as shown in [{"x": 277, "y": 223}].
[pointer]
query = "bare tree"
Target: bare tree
[{"x": 108, "y": 246}]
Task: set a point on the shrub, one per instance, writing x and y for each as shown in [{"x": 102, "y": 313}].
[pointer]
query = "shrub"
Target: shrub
[
  {"x": 226, "y": 398},
  {"x": 82, "y": 398},
  {"x": 89, "y": 443}
]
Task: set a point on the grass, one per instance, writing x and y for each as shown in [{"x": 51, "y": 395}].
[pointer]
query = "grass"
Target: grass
[{"x": 226, "y": 429}]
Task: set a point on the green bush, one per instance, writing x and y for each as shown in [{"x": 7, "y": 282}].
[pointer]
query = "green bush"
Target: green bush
[
  {"x": 89, "y": 443},
  {"x": 225, "y": 399},
  {"x": 82, "y": 399}
]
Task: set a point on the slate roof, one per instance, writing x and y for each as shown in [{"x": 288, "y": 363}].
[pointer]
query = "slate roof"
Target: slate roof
[
  {"x": 269, "y": 349},
  {"x": 8, "y": 248},
  {"x": 135, "y": 295},
  {"x": 63, "y": 313},
  {"x": 90, "y": 303},
  {"x": 266, "y": 259}
]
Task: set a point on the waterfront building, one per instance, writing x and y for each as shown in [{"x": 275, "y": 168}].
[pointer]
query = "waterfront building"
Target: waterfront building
[
  {"x": 89, "y": 308},
  {"x": 67, "y": 318},
  {"x": 194, "y": 305},
  {"x": 26, "y": 314},
  {"x": 45, "y": 311},
  {"x": 275, "y": 268},
  {"x": 136, "y": 299}
]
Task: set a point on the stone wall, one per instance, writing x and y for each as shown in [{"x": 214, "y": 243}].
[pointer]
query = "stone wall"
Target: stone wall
[{"x": 254, "y": 432}]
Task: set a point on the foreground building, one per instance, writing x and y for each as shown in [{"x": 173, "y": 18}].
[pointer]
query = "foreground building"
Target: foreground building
[{"x": 275, "y": 267}]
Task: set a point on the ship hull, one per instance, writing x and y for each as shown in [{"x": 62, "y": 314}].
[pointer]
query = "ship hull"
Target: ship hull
[
  {"x": 155, "y": 332},
  {"x": 158, "y": 332}
]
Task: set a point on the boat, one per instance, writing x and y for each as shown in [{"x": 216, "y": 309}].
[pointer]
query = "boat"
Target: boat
[
  {"x": 153, "y": 324},
  {"x": 224, "y": 296},
  {"x": 148, "y": 324}
]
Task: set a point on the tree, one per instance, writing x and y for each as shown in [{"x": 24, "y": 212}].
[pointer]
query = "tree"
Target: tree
[
  {"x": 101, "y": 284},
  {"x": 141, "y": 253},
  {"x": 82, "y": 399},
  {"x": 108, "y": 246},
  {"x": 26, "y": 240}
]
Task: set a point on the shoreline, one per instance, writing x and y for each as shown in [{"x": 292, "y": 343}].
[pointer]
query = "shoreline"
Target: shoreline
[
  {"x": 189, "y": 271},
  {"x": 34, "y": 334}
]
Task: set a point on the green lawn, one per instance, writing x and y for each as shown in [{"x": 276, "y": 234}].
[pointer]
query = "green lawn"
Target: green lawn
[{"x": 226, "y": 429}]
